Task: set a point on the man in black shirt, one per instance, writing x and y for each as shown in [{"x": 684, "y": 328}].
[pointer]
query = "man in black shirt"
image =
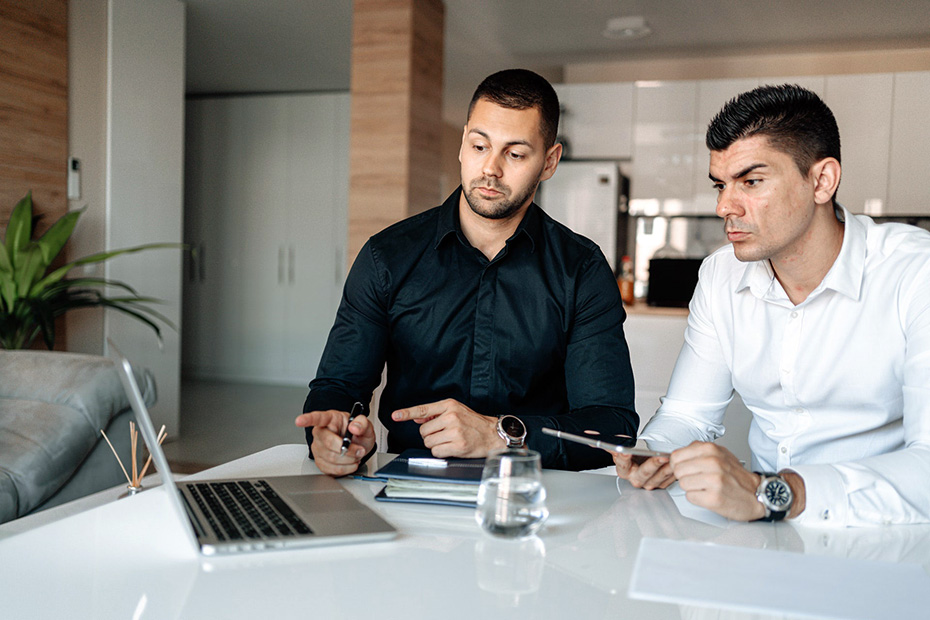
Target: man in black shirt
[{"x": 483, "y": 307}]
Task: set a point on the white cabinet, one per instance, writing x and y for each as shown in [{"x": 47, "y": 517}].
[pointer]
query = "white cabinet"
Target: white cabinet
[
  {"x": 597, "y": 120},
  {"x": 663, "y": 147},
  {"x": 712, "y": 95},
  {"x": 266, "y": 210},
  {"x": 908, "y": 190},
  {"x": 862, "y": 107},
  {"x": 813, "y": 83}
]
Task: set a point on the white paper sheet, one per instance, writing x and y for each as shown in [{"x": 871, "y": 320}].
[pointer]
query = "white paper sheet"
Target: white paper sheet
[
  {"x": 689, "y": 510},
  {"x": 781, "y": 582}
]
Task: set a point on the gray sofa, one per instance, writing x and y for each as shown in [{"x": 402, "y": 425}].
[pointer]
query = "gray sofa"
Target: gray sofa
[{"x": 52, "y": 407}]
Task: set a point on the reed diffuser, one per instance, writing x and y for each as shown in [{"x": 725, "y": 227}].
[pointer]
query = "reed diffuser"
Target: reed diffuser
[{"x": 135, "y": 481}]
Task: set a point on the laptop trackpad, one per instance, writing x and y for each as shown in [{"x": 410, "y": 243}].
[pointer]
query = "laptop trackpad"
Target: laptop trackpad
[{"x": 315, "y": 494}]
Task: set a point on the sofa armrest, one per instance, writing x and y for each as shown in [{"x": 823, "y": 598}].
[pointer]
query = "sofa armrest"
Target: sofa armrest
[{"x": 52, "y": 407}]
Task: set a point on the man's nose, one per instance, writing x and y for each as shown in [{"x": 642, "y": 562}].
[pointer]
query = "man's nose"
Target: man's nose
[
  {"x": 492, "y": 166},
  {"x": 727, "y": 204}
]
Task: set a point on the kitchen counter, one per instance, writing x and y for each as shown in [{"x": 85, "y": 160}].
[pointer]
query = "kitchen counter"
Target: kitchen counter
[{"x": 642, "y": 308}]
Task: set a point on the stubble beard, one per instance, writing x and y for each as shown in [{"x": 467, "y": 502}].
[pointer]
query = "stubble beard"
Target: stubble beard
[{"x": 498, "y": 209}]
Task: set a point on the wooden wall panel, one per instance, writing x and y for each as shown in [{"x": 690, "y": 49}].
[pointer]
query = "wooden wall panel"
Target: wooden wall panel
[
  {"x": 394, "y": 163},
  {"x": 34, "y": 106}
]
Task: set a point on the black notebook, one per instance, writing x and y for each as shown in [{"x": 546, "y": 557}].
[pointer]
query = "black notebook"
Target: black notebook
[{"x": 416, "y": 476}]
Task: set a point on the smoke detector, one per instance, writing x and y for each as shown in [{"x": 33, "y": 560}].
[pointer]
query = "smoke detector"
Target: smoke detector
[{"x": 633, "y": 27}]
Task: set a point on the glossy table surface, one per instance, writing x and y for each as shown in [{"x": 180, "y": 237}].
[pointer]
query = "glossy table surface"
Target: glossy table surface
[{"x": 128, "y": 559}]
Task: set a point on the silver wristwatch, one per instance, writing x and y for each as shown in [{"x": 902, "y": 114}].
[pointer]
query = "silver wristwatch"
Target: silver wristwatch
[
  {"x": 512, "y": 430},
  {"x": 775, "y": 495}
]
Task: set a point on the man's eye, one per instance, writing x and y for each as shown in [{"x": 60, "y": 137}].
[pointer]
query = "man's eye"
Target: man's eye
[
  {"x": 718, "y": 187},
  {"x": 752, "y": 182},
  {"x": 479, "y": 147},
  {"x": 517, "y": 156}
]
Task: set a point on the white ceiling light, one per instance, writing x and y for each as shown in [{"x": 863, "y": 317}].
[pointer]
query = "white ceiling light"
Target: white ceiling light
[{"x": 633, "y": 27}]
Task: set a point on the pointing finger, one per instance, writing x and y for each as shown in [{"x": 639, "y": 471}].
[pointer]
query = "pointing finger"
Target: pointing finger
[{"x": 420, "y": 413}]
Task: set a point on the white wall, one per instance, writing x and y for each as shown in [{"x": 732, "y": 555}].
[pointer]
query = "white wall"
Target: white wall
[
  {"x": 126, "y": 124},
  {"x": 145, "y": 151},
  {"x": 87, "y": 117}
]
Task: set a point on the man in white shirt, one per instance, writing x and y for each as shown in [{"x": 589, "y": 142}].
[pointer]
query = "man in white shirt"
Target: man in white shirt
[{"x": 820, "y": 319}]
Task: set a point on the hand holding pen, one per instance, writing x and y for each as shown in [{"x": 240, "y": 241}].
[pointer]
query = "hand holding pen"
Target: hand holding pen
[
  {"x": 336, "y": 450},
  {"x": 357, "y": 410}
]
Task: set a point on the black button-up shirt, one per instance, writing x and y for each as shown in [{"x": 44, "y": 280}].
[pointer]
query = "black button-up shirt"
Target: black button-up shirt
[{"x": 537, "y": 332}]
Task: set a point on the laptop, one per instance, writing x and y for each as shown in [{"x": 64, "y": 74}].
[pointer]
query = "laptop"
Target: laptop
[{"x": 229, "y": 516}]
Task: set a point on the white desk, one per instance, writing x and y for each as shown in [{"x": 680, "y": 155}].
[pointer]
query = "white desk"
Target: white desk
[{"x": 124, "y": 559}]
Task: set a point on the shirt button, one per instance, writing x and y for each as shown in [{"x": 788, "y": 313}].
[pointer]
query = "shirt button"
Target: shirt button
[
  {"x": 798, "y": 410},
  {"x": 784, "y": 450},
  {"x": 825, "y": 515},
  {"x": 794, "y": 315}
]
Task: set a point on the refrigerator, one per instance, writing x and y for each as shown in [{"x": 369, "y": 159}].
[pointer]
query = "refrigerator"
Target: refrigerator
[{"x": 590, "y": 197}]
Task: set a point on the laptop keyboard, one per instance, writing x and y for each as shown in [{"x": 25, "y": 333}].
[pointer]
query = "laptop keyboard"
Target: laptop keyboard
[{"x": 238, "y": 510}]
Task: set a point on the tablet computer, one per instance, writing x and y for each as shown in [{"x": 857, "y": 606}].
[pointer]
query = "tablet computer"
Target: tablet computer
[{"x": 624, "y": 444}]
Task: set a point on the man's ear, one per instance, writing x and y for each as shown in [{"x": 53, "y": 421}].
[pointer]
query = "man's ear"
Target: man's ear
[
  {"x": 553, "y": 155},
  {"x": 462, "y": 145},
  {"x": 825, "y": 175}
]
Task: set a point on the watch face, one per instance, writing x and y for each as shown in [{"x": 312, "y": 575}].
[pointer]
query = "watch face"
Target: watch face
[
  {"x": 512, "y": 426},
  {"x": 778, "y": 494}
]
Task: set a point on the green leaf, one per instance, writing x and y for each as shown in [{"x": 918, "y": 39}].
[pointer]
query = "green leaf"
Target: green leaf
[
  {"x": 29, "y": 267},
  {"x": 138, "y": 315},
  {"x": 53, "y": 287},
  {"x": 6, "y": 267},
  {"x": 8, "y": 294},
  {"x": 55, "y": 238},
  {"x": 19, "y": 228},
  {"x": 102, "y": 256}
]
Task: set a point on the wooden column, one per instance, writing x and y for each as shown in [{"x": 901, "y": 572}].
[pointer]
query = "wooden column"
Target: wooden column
[
  {"x": 34, "y": 106},
  {"x": 396, "y": 124}
]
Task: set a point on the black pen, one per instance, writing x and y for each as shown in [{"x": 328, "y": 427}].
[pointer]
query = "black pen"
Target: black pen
[{"x": 357, "y": 409}]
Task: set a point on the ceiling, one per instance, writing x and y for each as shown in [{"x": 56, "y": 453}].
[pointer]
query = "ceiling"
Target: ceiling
[{"x": 247, "y": 46}]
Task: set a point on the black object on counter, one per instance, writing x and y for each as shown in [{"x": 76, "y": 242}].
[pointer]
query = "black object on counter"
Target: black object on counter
[{"x": 672, "y": 281}]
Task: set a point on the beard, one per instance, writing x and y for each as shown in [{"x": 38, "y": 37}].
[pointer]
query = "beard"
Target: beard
[{"x": 496, "y": 209}]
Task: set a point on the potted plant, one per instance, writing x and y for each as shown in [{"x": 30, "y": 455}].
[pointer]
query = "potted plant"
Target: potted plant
[{"x": 33, "y": 294}]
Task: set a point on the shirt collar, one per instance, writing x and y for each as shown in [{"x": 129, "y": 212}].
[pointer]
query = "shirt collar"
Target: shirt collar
[
  {"x": 844, "y": 277},
  {"x": 449, "y": 224}
]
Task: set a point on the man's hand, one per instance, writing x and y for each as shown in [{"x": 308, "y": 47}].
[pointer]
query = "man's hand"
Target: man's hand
[
  {"x": 644, "y": 473},
  {"x": 328, "y": 429},
  {"x": 449, "y": 428},
  {"x": 713, "y": 478}
]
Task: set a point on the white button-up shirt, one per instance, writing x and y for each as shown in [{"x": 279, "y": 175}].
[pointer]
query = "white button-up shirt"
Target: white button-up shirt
[{"x": 839, "y": 385}]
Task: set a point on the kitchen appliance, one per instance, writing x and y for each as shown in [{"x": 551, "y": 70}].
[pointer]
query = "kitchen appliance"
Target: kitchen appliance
[
  {"x": 590, "y": 197},
  {"x": 672, "y": 281}
]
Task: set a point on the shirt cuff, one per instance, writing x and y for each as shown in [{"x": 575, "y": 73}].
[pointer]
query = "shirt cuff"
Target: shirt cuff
[{"x": 826, "y": 503}]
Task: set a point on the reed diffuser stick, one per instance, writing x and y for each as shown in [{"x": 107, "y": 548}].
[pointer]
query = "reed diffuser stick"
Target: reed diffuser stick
[
  {"x": 162, "y": 433},
  {"x": 118, "y": 460},
  {"x": 134, "y": 436}
]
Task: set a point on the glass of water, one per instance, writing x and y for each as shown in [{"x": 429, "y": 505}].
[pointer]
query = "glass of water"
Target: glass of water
[{"x": 511, "y": 498}]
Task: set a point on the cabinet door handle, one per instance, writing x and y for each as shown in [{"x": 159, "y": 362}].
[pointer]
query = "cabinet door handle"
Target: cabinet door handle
[
  {"x": 202, "y": 262},
  {"x": 280, "y": 264},
  {"x": 291, "y": 266},
  {"x": 192, "y": 257}
]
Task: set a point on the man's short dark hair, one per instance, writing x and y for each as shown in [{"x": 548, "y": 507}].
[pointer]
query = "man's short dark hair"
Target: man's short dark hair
[
  {"x": 521, "y": 89},
  {"x": 796, "y": 122}
]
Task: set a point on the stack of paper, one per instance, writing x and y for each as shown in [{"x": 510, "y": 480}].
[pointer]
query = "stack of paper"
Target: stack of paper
[{"x": 415, "y": 476}]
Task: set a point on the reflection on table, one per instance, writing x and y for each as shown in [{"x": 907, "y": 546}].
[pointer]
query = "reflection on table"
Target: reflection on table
[{"x": 127, "y": 559}]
